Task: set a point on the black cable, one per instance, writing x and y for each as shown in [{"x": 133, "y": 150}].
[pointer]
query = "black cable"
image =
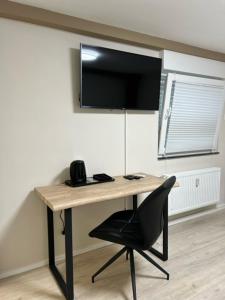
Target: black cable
[{"x": 63, "y": 223}]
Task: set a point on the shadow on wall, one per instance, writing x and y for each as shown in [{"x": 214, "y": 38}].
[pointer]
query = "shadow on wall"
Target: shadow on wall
[
  {"x": 62, "y": 176},
  {"x": 26, "y": 230},
  {"x": 24, "y": 239}
]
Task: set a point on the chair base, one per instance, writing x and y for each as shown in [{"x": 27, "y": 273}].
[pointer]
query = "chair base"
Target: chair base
[
  {"x": 108, "y": 263},
  {"x": 130, "y": 252}
]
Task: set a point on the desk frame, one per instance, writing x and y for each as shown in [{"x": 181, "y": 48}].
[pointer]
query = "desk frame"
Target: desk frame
[{"x": 66, "y": 286}]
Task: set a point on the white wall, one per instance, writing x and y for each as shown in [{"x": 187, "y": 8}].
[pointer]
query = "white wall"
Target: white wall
[
  {"x": 42, "y": 129},
  {"x": 192, "y": 64}
]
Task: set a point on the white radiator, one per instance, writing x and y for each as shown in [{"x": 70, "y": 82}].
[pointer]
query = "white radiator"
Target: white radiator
[{"x": 198, "y": 188}]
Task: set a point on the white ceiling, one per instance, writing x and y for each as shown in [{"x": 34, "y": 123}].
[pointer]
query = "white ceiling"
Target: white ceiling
[{"x": 195, "y": 22}]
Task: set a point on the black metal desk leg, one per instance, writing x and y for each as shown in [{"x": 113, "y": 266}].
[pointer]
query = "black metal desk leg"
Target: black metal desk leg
[
  {"x": 134, "y": 202},
  {"x": 69, "y": 253},
  {"x": 51, "y": 244},
  {"x": 164, "y": 255},
  {"x": 165, "y": 231},
  {"x": 65, "y": 286}
]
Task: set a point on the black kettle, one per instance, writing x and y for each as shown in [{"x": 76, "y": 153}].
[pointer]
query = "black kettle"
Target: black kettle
[{"x": 78, "y": 172}]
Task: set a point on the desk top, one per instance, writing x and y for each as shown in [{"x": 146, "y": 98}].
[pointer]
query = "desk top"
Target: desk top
[{"x": 59, "y": 197}]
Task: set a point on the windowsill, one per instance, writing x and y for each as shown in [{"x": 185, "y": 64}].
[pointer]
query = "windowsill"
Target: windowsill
[{"x": 186, "y": 155}]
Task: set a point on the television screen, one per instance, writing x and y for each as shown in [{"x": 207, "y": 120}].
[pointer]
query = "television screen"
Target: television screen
[{"x": 119, "y": 80}]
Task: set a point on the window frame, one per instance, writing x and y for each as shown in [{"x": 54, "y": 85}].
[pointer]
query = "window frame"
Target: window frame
[{"x": 167, "y": 104}]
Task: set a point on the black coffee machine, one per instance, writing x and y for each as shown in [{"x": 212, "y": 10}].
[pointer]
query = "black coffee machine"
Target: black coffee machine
[{"x": 78, "y": 172}]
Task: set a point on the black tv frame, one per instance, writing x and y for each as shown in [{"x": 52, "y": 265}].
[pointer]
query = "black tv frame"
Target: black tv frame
[{"x": 103, "y": 107}]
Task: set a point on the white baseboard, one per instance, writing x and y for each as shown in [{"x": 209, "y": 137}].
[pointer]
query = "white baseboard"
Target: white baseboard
[
  {"x": 195, "y": 215},
  {"x": 61, "y": 258}
]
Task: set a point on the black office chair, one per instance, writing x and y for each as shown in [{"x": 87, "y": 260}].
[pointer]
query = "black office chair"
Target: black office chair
[{"x": 136, "y": 230}]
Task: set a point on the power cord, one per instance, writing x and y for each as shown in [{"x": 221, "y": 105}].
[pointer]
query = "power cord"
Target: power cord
[
  {"x": 63, "y": 223},
  {"x": 125, "y": 151}
]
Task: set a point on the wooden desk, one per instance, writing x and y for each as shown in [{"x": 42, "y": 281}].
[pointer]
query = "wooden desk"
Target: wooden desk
[{"x": 62, "y": 197}]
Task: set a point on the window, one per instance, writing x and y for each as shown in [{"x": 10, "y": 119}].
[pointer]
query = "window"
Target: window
[{"x": 190, "y": 116}]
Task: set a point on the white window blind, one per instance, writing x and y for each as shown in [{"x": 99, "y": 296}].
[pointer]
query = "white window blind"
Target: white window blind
[{"x": 192, "y": 112}]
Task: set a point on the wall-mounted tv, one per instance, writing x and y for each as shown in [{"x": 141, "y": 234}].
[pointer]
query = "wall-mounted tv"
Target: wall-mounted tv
[{"x": 119, "y": 80}]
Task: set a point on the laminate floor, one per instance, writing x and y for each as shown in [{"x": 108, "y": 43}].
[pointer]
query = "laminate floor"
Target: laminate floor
[{"x": 196, "y": 265}]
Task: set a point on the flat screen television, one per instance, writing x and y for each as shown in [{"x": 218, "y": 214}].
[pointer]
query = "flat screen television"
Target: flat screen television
[{"x": 115, "y": 79}]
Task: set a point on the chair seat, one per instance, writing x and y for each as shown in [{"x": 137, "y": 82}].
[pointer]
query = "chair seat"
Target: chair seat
[{"x": 122, "y": 228}]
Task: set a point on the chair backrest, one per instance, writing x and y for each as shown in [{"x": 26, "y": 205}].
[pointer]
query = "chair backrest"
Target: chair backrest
[{"x": 150, "y": 212}]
